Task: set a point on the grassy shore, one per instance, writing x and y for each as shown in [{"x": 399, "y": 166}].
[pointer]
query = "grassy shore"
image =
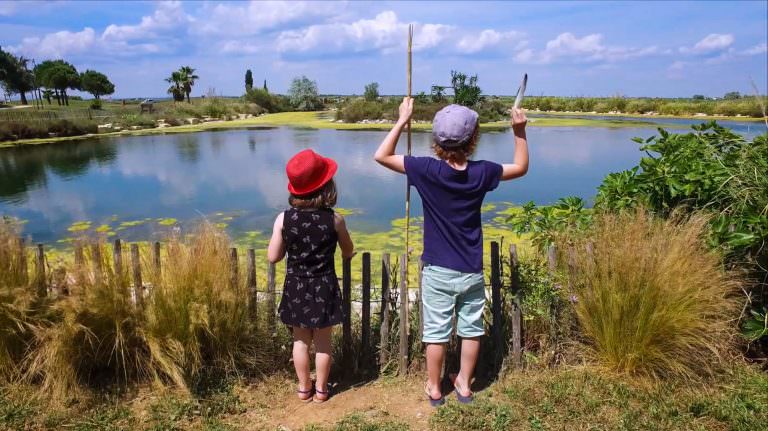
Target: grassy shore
[{"x": 323, "y": 120}]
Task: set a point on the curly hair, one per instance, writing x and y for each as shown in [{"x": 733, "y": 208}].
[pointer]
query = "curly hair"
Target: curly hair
[
  {"x": 325, "y": 197},
  {"x": 457, "y": 154}
]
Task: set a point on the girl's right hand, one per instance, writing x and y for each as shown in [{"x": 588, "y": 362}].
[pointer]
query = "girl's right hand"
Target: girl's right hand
[{"x": 406, "y": 110}]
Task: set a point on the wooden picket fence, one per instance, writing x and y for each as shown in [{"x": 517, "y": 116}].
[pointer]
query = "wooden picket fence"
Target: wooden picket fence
[{"x": 500, "y": 343}]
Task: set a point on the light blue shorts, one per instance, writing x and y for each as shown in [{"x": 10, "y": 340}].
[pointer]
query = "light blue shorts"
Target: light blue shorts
[{"x": 445, "y": 291}]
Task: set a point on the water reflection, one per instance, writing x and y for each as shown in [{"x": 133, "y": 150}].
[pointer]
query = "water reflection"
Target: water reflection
[
  {"x": 241, "y": 172},
  {"x": 27, "y": 168}
]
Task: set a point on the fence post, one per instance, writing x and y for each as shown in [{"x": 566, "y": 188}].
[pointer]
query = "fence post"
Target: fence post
[
  {"x": 117, "y": 257},
  {"x": 79, "y": 264},
  {"x": 138, "y": 284},
  {"x": 250, "y": 283},
  {"x": 554, "y": 313},
  {"x": 346, "y": 292},
  {"x": 517, "y": 315},
  {"x": 366, "y": 311},
  {"x": 271, "y": 298},
  {"x": 496, "y": 305},
  {"x": 384, "y": 342},
  {"x": 96, "y": 256},
  {"x": 233, "y": 276},
  {"x": 156, "y": 257},
  {"x": 22, "y": 250},
  {"x": 40, "y": 284},
  {"x": 403, "y": 316}
]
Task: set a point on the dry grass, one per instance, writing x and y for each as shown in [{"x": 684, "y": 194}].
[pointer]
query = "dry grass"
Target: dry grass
[
  {"x": 650, "y": 297},
  {"x": 195, "y": 318},
  {"x": 15, "y": 300},
  {"x": 193, "y": 324}
]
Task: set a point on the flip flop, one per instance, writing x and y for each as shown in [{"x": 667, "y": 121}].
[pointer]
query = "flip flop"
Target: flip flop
[
  {"x": 461, "y": 398},
  {"x": 432, "y": 401},
  {"x": 309, "y": 393},
  {"x": 326, "y": 394}
]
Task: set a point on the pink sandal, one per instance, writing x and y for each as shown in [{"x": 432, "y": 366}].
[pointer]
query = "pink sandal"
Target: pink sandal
[
  {"x": 326, "y": 395},
  {"x": 306, "y": 396}
]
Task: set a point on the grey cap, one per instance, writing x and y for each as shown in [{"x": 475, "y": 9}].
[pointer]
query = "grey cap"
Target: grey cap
[{"x": 454, "y": 126}]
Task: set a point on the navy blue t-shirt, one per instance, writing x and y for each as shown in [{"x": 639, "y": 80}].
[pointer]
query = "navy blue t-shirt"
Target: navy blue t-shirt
[{"x": 453, "y": 234}]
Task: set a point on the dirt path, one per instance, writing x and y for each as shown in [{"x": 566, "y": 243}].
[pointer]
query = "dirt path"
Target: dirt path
[{"x": 277, "y": 407}]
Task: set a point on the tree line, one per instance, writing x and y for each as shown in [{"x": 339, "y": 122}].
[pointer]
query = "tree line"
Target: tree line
[{"x": 55, "y": 77}]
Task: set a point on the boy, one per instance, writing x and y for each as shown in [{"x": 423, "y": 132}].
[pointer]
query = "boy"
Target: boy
[{"x": 452, "y": 189}]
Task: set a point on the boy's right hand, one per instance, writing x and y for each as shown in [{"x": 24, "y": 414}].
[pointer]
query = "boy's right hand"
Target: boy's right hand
[
  {"x": 406, "y": 110},
  {"x": 519, "y": 120}
]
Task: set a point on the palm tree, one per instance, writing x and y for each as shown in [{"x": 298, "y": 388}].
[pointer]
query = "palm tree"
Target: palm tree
[
  {"x": 188, "y": 79},
  {"x": 175, "y": 89}
]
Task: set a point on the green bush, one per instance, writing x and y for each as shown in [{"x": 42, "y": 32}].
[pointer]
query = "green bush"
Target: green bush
[
  {"x": 139, "y": 120},
  {"x": 73, "y": 127},
  {"x": 96, "y": 104},
  {"x": 266, "y": 100},
  {"x": 360, "y": 109}
]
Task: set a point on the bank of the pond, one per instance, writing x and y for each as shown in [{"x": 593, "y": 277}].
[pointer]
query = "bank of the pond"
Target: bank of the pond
[
  {"x": 647, "y": 117},
  {"x": 323, "y": 120}
]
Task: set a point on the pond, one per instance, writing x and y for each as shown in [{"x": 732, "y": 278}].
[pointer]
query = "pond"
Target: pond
[{"x": 137, "y": 186}]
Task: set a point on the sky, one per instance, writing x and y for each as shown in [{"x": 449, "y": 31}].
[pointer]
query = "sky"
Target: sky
[{"x": 631, "y": 48}]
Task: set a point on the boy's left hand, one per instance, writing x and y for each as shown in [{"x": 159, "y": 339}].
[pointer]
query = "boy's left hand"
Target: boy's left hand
[
  {"x": 519, "y": 120},
  {"x": 406, "y": 110}
]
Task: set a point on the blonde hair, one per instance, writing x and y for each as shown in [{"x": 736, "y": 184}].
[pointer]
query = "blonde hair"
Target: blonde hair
[
  {"x": 457, "y": 154},
  {"x": 325, "y": 197}
]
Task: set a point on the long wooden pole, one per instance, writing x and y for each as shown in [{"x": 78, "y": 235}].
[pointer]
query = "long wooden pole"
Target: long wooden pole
[{"x": 407, "y": 186}]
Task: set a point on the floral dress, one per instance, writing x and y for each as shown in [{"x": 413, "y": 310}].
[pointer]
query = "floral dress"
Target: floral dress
[{"x": 311, "y": 295}]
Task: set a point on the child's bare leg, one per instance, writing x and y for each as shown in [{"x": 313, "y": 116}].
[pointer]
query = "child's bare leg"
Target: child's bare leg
[
  {"x": 470, "y": 350},
  {"x": 435, "y": 357},
  {"x": 302, "y": 338},
  {"x": 322, "y": 339}
]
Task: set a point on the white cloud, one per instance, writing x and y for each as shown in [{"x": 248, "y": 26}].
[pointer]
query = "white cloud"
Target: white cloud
[
  {"x": 589, "y": 48},
  {"x": 57, "y": 45},
  {"x": 761, "y": 48},
  {"x": 246, "y": 19},
  {"x": 168, "y": 16},
  {"x": 489, "y": 39},
  {"x": 115, "y": 40},
  {"x": 382, "y": 33},
  {"x": 711, "y": 43}
]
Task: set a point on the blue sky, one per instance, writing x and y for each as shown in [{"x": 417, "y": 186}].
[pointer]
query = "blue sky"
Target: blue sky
[{"x": 669, "y": 49}]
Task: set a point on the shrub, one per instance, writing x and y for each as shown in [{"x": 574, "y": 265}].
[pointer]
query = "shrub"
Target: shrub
[
  {"x": 73, "y": 127},
  {"x": 266, "y": 100},
  {"x": 651, "y": 298},
  {"x": 96, "y": 104},
  {"x": 141, "y": 121},
  {"x": 215, "y": 107},
  {"x": 12, "y": 131},
  {"x": 358, "y": 110}
]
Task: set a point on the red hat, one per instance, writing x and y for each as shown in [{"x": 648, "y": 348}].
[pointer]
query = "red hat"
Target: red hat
[{"x": 308, "y": 171}]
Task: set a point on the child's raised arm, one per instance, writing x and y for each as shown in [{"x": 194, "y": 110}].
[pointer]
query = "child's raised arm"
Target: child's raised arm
[
  {"x": 385, "y": 155},
  {"x": 276, "y": 248},
  {"x": 520, "y": 166},
  {"x": 345, "y": 241}
]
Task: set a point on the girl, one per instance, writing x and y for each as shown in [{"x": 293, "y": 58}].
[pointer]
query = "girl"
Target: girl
[{"x": 309, "y": 231}]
